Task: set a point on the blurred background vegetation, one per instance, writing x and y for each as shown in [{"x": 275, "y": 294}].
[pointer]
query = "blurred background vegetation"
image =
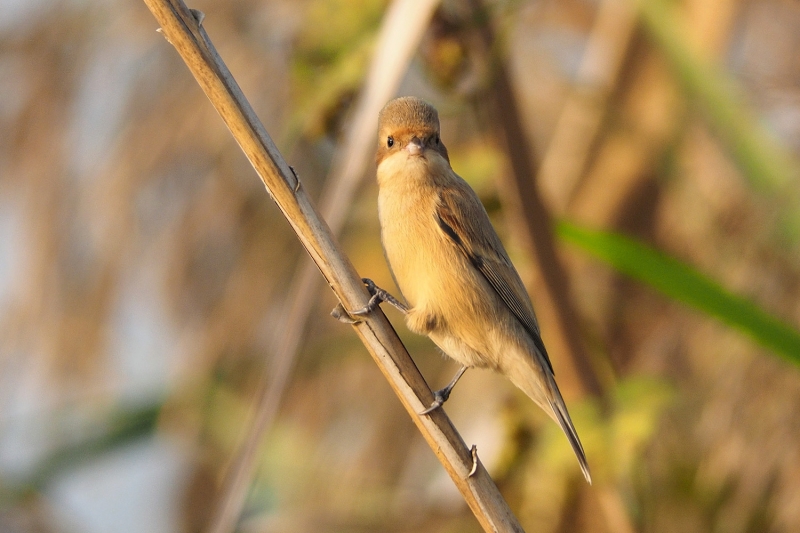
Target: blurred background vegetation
[{"x": 143, "y": 268}]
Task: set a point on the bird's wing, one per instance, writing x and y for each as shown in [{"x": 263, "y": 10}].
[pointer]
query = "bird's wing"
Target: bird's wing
[{"x": 457, "y": 213}]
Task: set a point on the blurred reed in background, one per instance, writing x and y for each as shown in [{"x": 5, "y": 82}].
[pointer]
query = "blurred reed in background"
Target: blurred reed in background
[{"x": 143, "y": 268}]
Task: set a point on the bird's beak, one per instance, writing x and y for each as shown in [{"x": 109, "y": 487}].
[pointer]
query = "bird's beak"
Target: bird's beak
[{"x": 415, "y": 146}]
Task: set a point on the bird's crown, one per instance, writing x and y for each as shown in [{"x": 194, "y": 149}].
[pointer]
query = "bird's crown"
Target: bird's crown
[{"x": 408, "y": 112}]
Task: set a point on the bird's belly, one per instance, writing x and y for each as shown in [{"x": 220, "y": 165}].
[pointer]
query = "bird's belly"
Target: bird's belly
[
  {"x": 421, "y": 271},
  {"x": 472, "y": 351},
  {"x": 415, "y": 250}
]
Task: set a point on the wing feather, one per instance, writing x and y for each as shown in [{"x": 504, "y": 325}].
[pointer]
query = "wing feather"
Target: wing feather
[{"x": 457, "y": 215}]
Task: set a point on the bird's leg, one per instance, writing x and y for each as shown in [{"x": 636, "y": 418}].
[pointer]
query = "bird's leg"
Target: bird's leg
[
  {"x": 378, "y": 295},
  {"x": 441, "y": 396}
]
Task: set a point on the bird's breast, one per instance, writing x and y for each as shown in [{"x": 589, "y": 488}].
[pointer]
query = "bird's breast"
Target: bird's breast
[{"x": 419, "y": 255}]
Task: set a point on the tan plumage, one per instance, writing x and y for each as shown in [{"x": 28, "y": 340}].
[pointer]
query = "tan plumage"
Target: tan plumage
[{"x": 461, "y": 288}]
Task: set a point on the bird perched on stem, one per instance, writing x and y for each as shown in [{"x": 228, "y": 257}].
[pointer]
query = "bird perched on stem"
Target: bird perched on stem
[{"x": 461, "y": 288}]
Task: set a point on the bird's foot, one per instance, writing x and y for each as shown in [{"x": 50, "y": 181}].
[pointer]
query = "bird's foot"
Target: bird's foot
[
  {"x": 378, "y": 295},
  {"x": 439, "y": 397}
]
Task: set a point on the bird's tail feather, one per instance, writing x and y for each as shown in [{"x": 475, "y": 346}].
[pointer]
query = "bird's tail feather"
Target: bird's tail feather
[
  {"x": 543, "y": 390},
  {"x": 563, "y": 419}
]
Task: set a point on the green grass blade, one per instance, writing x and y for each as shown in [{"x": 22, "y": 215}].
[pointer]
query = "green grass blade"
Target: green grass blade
[{"x": 685, "y": 284}]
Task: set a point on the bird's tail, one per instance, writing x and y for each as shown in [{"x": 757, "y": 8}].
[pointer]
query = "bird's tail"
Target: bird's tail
[
  {"x": 541, "y": 387},
  {"x": 563, "y": 419}
]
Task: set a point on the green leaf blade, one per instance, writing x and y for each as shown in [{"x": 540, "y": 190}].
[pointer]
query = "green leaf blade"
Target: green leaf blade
[{"x": 683, "y": 283}]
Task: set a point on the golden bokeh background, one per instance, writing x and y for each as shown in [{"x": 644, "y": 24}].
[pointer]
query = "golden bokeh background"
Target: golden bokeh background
[{"x": 145, "y": 271}]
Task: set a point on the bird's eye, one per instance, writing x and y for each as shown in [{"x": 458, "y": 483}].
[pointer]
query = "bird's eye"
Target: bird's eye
[
  {"x": 436, "y": 140},
  {"x": 390, "y": 142}
]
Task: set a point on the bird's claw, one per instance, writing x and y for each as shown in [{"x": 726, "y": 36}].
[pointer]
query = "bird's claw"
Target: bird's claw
[
  {"x": 374, "y": 301},
  {"x": 341, "y": 314},
  {"x": 378, "y": 295},
  {"x": 439, "y": 397}
]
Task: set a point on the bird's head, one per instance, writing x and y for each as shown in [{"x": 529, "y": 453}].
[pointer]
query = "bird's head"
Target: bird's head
[{"x": 409, "y": 126}]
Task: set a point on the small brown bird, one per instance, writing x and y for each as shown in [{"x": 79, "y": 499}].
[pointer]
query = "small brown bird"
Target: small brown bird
[{"x": 461, "y": 288}]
